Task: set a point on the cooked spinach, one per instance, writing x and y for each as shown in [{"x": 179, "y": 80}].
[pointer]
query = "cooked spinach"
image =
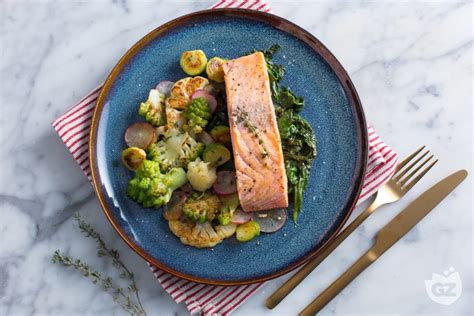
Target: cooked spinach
[
  {"x": 297, "y": 135},
  {"x": 286, "y": 99},
  {"x": 299, "y": 150}
]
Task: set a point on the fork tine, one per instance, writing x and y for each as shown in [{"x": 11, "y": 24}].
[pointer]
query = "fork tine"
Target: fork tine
[
  {"x": 418, "y": 177},
  {"x": 404, "y": 171},
  {"x": 407, "y": 159},
  {"x": 408, "y": 177}
]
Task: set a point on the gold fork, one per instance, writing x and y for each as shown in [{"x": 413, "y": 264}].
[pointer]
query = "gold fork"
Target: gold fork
[{"x": 391, "y": 192}]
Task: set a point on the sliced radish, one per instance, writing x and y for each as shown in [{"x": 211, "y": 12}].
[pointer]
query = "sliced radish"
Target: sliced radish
[
  {"x": 270, "y": 221},
  {"x": 174, "y": 208},
  {"x": 240, "y": 217},
  {"x": 211, "y": 100},
  {"x": 225, "y": 183},
  {"x": 164, "y": 87},
  {"x": 140, "y": 135},
  {"x": 204, "y": 138}
]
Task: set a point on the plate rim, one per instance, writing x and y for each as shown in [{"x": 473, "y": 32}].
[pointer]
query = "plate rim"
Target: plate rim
[{"x": 291, "y": 29}]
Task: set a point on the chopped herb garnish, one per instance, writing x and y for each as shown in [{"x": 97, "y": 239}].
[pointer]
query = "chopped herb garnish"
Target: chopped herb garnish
[{"x": 242, "y": 116}]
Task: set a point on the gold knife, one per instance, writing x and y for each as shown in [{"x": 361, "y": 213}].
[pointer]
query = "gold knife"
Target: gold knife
[{"x": 388, "y": 236}]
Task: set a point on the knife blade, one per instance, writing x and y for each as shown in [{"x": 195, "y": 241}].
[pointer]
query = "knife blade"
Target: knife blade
[
  {"x": 413, "y": 213},
  {"x": 389, "y": 235}
]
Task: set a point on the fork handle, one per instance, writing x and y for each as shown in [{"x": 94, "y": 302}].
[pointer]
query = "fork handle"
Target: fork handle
[
  {"x": 337, "y": 286},
  {"x": 299, "y": 276}
]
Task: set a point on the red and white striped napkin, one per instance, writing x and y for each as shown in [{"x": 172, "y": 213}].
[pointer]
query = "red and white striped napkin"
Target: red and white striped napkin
[{"x": 73, "y": 128}]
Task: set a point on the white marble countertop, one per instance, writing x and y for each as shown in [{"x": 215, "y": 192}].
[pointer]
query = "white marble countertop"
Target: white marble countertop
[{"x": 410, "y": 61}]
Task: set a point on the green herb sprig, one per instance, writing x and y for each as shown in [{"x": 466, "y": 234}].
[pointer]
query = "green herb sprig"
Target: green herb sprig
[{"x": 122, "y": 297}]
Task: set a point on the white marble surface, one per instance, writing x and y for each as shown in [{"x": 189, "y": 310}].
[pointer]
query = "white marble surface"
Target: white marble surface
[{"x": 410, "y": 61}]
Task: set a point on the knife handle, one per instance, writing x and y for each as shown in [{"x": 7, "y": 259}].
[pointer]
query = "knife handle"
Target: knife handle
[
  {"x": 337, "y": 286},
  {"x": 299, "y": 276}
]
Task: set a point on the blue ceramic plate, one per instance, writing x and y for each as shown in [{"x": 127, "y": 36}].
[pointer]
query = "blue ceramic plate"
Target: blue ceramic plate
[{"x": 332, "y": 107}]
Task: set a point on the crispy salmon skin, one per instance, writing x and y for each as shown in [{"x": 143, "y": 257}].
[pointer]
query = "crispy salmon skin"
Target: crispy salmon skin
[{"x": 256, "y": 143}]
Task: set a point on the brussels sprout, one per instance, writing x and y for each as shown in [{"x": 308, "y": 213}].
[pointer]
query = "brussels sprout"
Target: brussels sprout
[
  {"x": 221, "y": 134},
  {"x": 248, "y": 231},
  {"x": 216, "y": 154},
  {"x": 193, "y": 62},
  {"x": 133, "y": 157},
  {"x": 214, "y": 69}
]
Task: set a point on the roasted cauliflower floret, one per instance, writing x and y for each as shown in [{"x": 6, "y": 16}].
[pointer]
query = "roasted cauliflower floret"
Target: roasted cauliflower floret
[
  {"x": 195, "y": 234},
  {"x": 196, "y": 83},
  {"x": 176, "y": 150},
  {"x": 174, "y": 118},
  {"x": 201, "y": 175},
  {"x": 183, "y": 89},
  {"x": 177, "y": 103},
  {"x": 153, "y": 109},
  {"x": 201, "y": 207}
]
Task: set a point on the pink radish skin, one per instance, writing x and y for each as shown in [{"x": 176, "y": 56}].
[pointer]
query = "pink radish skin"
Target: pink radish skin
[
  {"x": 270, "y": 221},
  {"x": 204, "y": 138},
  {"x": 240, "y": 217},
  {"x": 211, "y": 100},
  {"x": 164, "y": 87},
  {"x": 225, "y": 183},
  {"x": 140, "y": 135}
]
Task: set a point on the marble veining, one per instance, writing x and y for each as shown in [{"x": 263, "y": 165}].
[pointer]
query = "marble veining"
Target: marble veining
[{"x": 411, "y": 63}]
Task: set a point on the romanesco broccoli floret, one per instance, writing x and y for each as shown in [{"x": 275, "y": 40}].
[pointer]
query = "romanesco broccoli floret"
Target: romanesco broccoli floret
[
  {"x": 227, "y": 208},
  {"x": 153, "y": 109},
  {"x": 224, "y": 217},
  {"x": 198, "y": 114},
  {"x": 151, "y": 188},
  {"x": 152, "y": 153},
  {"x": 176, "y": 150},
  {"x": 201, "y": 207}
]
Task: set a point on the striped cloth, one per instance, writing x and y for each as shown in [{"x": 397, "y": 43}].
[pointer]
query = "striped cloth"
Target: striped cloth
[{"x": 73, "y": 128}]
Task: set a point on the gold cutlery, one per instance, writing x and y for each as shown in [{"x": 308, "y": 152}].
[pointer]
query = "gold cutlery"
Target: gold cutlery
[
  {"x": 391, "y": 192},
  {"x": 389, "y": 235}
]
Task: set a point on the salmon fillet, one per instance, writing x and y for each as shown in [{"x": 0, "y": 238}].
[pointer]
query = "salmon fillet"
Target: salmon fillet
[{"x": 260, "y": 169}]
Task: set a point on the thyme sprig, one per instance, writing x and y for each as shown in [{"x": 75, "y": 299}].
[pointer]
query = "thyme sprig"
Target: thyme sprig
[{"x": 119, "y": 295}]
